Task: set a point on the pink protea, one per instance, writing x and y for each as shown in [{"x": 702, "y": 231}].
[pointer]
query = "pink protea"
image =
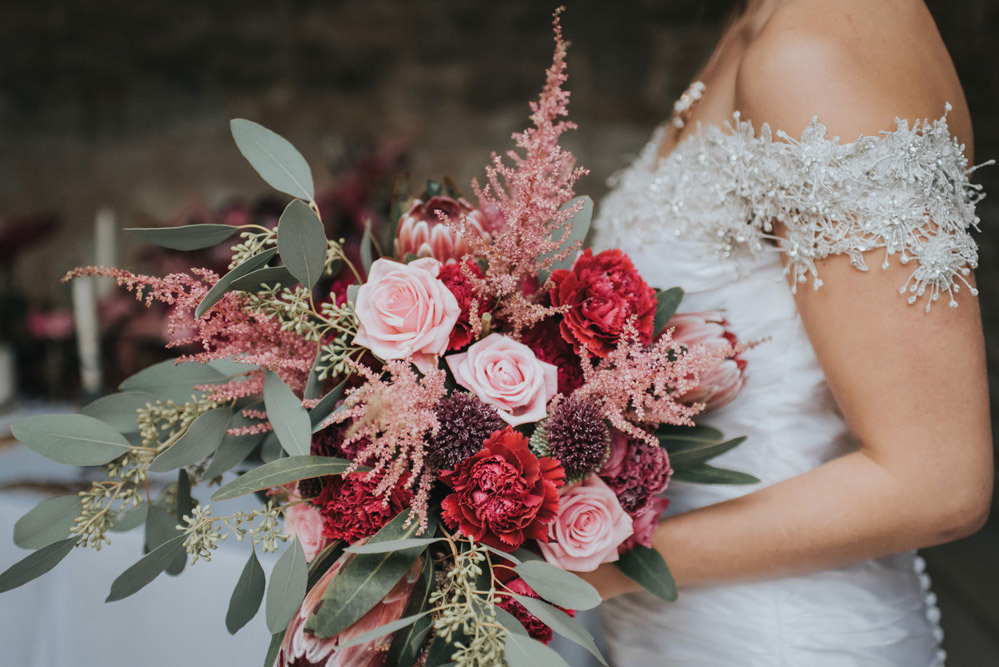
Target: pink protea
[
  {"x": 722, "y": 383},
  {"x": 301, "y": 648},
  {"x": 437, "y": 228}
]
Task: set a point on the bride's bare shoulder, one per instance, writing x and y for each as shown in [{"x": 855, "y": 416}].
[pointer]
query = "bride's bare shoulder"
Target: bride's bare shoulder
[{"x": 857, "y": 64}]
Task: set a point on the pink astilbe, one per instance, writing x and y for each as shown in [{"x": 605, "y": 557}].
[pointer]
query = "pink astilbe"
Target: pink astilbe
[
  {"x": 528, "y": 194},
  {"x": 393, "y": 418},
  {"x": 639, "y": 385},
  {"x": 227, "y": 330}
]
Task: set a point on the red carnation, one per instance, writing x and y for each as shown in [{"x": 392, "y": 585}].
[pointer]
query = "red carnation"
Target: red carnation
[
  {"x": 455, "y": 280},
  {"x": 504, "y": 494},
  {"x": 351, "y": 510},
  {"x": 603, "y": 293},
  {"x": 544, "y": 339},
  {"x": 535, "y": 628}
]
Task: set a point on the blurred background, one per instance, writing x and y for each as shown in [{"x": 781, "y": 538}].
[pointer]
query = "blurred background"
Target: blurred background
[{"x": 115, "y": 114}]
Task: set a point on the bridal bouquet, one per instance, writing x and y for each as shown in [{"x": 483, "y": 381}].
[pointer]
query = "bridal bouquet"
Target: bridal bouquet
[{"x": 436, "y": 440}]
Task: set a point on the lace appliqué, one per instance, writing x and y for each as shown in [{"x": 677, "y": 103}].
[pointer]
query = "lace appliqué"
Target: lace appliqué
[{"x": 906, "y": 191}]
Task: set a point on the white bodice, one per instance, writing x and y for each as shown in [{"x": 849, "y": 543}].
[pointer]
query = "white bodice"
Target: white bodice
[{"x": 701, "y": 219}]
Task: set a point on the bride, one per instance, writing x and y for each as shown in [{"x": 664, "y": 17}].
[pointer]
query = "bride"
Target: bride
[{"x": 789, "y": 166}]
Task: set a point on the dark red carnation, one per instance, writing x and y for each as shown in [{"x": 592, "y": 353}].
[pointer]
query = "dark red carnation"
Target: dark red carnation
[
  {"x": 535, "y": 628},
  {"x": 636, "y": 470},
  {"x": 351, "y": 510},
  {"x": 455, "y": 280},
  {"x": 549, "y": 346},
  {"x": 603, "y": 293},
  {"x": 504, "y": 494}
]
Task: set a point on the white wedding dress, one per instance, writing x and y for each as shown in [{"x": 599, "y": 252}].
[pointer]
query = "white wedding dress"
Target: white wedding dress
[{"x": 699, "y": 218}]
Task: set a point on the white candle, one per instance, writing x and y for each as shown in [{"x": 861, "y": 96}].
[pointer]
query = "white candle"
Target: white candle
[
  {"x": 88, "y": 342},
  {"x": 105, "y": 246}
]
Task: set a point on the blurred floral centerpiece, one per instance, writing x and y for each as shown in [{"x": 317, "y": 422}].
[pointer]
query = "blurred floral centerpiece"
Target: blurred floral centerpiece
[{"x": 437, "y": 441}]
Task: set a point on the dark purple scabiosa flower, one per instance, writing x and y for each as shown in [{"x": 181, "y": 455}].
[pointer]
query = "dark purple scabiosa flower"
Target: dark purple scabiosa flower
[
  {"x": 465, "y": 423},
  {"x": 576, "y": 435}
]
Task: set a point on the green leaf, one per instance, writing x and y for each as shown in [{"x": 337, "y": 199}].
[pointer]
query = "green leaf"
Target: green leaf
[
  {"x": 364, "y": 581},
  {"x": 702, "y": 473},
  {"x": 50, "y": 521},
  {"x": 35, "y": 564},
  {"x": 274, "y": 648},
  {"x": 270, "y": 448},
  {"x": 130, "y": 519},
  {"x": 200, "y": 440},
  {"x": 392, "y": 545},
  {"x": 405, "y": 647},
  {"x": 580, "y": 222},
  {"x": 313, "y": 385},
  {"x": 286, "y": 589},
  {"x": 145, "y": 570},
  {"x": 647, "y": 568},
  {"x": 558, "y": 586},
  {"x": 697, "y": 452},
  {"x": 280, "y": 472},
  {"x": 274, "y": 158},
  {"x": 352, "y": 291},
  {"x": 523, "y": 651},
  {"x": 224, "y": 284},
  {"x": 233, "y": 451},
  {"x": 247, "y": 595},
  {"x": 119, "y": 411},
  {"x": 302, "y": 242},
  {"x": 269, "y": 275},
  {"x": 230, "y": 366},
  {"x": 667, "y": 433},
  {"x": 366, "y": 248},
  {"x": 185, "y": 503},
  {"x": 286, "y": 414},
  {"x": 170, "y": 381},
  {"x": 562, "y": 623},
  {"x": 439, "y": 652},
  {"x": 161, "y": 527},
  {"x": 186, "y": 237},
  {"x": 76, "y": 440},
  {"x": 667, "y": 303},
  {"x": 504, "y": 555},
  {"x": 383, "y": 630},
  {"x": 324, "y": 408}
]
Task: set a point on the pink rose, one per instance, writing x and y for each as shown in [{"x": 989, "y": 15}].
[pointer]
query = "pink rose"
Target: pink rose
[
  {"x": 406, "y": 312},
  {"x": 508, "y": 376},
  {"x": 307, "y": 525},
  {"x": 590, "y": 527},
  {"x": 644, "y": 523},
  {"x": 722, "y": 383}
]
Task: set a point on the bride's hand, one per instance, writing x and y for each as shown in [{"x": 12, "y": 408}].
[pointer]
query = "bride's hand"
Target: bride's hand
[{"x": 609, "y": 581}]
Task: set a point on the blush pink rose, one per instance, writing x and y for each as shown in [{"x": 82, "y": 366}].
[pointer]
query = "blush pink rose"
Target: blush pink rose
[
  {"x": 590, "y": 527},
  {"x": 406, "y": 312},
  {"x": 508, "y": 376},
  {"x": 307, "y": 524}
]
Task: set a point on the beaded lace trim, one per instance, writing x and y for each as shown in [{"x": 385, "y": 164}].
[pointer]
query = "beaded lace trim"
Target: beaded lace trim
[{"x": 906, "y": 191}]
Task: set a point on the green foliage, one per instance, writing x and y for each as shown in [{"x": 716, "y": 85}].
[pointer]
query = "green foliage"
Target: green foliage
[
  {"x": 667, "y": 301},
  {"x": 690, "y": 448},
  {"x": 646, "y": 567},
  {"x": 170, "y": 381},
  {"x": 562, "y": 623},
  {"x": 287, "y": 587},
  {"x": 702, "y": 473},
  {"x": 234, "y": 448},
  {"x": 392, "y": 545},
  {"x": 274, "y": 158},
  {"x": 324, "y": 408},
  {"x": 282, "y": 471},
  {"x": 119, "y": 411},
  {"x": 405, "y": 647},
  {"x": 145, "y": 570},
  {"x": 185, "y": 237},
  {"x": 271, "y": 276},
  {"x": 35, "y": 564},
  {"x": 246, "y": 597},
  {"x": 521, "y": 650},
  {"x": 198, "y": 442},
  {"x": 50, "y": 521},
  {"x": 302, "y": 242},
  {"x": 76, "y": 440},
  {"x": 558, "y": 586},
  {"x": 224, "y": 283},
  {"x": 285, "y": 412},
  {"x": 161, "y": 527}
]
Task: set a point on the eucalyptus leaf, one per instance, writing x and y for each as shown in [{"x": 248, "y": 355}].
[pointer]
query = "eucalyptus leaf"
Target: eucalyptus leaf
[
  {"x": 186, "y": 237},
  {"x": 35, "y": 564},
  {"x": 275, "y": 159},
  {"x": 405, "y": 647},
  {"x": 233, "y": 451},
  {"x": 50, "y": 521},
  {"x": 230, "y": 366},
  {"x": 646, "y": 567},
  {"x": 246, "y": 597},
  {"x": 302, "y": 242},
  {"x": 702, "y": 473},
  {"x": 146, "y": 569},
  {"x": 286, "y": 414},
  {"x": 392, "y": 545},
  {"x": 364, "y": 581},
  {"x": 170, "y": 381},
  {"x": 161, "y": 527},
  {"x": 383, "y": 630},
  {"x": 200, "y": 440},
  {"x": 313, "y": 385},
  {"x": 224, "y": 283},
  {"x": 352, "y": 291},
  {"x": 272, "y": 276},
  {"x": 287, "y": 586},
  {"x": 667, "y": 301},
  {"x": 282, "y": 471},
  {"x": 698, "y": 452},
  {"x": 558, "y": 586},
  {"x": 504, "y": 555},
  {"x": 521, "y": 650},
  {"x": 76, "y": 440},
  {"x": 270, "y": 448},
  {"x": 562, "y": 623},
  {"x": 130, "y": 519},
  {"x": 185, "y": 503},
  {"x": 439, "y": 652},
  {"x": 699, "y": 432},
  {"x": 323, "y": 561},
  {"x": 274, "y": 648},
  {"x": 366, "y": 247},
  {"x": 324, "y": 408},
  {"x": 119, "y": 411}
]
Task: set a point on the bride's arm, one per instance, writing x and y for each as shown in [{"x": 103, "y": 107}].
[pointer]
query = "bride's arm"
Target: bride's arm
[{"x": 911, "y": 385}]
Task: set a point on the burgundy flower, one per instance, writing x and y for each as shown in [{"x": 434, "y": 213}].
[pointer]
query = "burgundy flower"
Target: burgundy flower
[
  {"x": 644, "y": 522},
  {"x": 724, "y": 382},
  {"x": 421, "y": 231},
  {"x": 535, "y": 628},
  {"x": 504, "y": 494},
  {"x": 603, "y": 293},
  {"x": 455, "y": 280},
  {"x": 549, "y": 346},
  {"x": 636, "y": 470},
  {"x": 352, "y": 511}
]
